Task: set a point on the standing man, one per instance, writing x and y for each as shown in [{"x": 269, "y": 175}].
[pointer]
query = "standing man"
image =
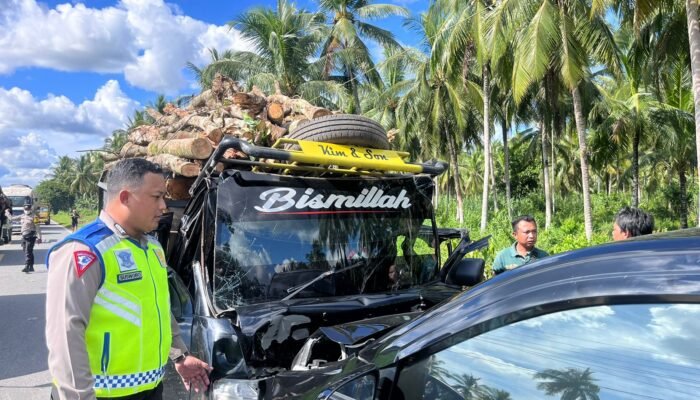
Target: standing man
[
  {"x": 523, "y": 250},
  {"x": 74, "y": 216},
  {"x": 630, "y": 222},
  {"x": 29, "y": 231},
  {"x": 108, "y": 323}
]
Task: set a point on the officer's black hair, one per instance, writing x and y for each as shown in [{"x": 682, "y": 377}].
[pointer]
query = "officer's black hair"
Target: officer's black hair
[
  {"x": 517, "y": 220},
  {"x": 634, "y": 221},
  {"x": 129, "y": 173}
]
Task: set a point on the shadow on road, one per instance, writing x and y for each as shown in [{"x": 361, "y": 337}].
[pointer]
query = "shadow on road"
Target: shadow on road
[{"x": 23, "y": 313}]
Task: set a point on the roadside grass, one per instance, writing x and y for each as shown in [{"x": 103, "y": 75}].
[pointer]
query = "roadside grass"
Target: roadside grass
[{"x": 63, "y": 217}]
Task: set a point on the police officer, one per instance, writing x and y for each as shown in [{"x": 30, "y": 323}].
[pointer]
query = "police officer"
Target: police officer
[
  {"x": 30, "y": 231},
  {"x": 108, "y": 323}
]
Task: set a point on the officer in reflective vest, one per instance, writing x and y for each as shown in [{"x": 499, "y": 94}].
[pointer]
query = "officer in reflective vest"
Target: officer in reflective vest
[{"x": 109, "y": 328}]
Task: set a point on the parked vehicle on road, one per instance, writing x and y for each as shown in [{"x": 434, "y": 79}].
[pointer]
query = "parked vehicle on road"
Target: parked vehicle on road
[
  {"x": 43, "y": 214},
  {"x": 615, "y": 321}
]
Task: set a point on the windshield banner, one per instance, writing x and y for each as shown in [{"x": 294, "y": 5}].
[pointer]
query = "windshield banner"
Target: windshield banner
[{"x": 316, "y": 196}]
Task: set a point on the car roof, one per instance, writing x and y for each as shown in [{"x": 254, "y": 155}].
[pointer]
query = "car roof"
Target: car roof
[{"x": 656, "y": 268}]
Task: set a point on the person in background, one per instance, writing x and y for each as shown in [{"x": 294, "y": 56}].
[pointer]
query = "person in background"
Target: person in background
[
  {"x": 109, "y": 329},
  {"x": 74, "y": 216},
  {"x": 523, "y": 251},
  {"x": 631, "y": 222},
  {"x": 30, "y": 234}
]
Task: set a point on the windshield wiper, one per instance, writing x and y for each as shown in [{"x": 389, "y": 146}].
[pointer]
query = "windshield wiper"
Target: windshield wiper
[{"x": 294, "y": 290}]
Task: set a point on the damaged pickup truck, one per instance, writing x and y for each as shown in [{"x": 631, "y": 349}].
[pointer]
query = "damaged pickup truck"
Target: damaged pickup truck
[{"x": 290, "y": 261}]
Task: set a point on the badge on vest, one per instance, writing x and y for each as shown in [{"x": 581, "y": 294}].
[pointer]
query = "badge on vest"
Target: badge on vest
[
  {"x": 161, "y": 257},
  {"x": 125, "y": 260},
  {"x": 129, "y": 276},
  {"x": 127, "y": 266}
]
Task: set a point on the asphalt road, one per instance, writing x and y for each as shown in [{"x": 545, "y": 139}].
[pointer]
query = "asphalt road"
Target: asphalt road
[{"x": 23, "y": 369}]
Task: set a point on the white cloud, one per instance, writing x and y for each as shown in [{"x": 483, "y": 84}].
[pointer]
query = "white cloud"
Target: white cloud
[
  {"x": 147, "y": 40},
  {"x": 34, "y": 132}
]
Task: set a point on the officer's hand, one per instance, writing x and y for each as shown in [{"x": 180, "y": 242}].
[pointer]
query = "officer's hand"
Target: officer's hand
[
  {"x": 38, "y": 241},
  {"x": 194, "y": 373}
]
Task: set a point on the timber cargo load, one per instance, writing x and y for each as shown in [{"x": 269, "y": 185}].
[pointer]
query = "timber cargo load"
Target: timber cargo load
[{"x": 182, "y": 139}]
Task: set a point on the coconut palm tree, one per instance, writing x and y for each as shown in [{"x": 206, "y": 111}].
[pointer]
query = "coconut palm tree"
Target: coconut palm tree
[
  {"x": 347, "y": 30},
  {"x": 84, "y": 176},
  {"x": 675, "y": 116},
  {"x": 380, "y": 100},
  {"x": 557, "y": 38},
  {"x": 441, "y": 103},
  {"x": 286, "y": 41},
  {"x": 571, "y": 383}
]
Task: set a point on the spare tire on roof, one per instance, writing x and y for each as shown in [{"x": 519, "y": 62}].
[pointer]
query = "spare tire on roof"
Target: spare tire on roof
[{"x": 346, "y": 129}]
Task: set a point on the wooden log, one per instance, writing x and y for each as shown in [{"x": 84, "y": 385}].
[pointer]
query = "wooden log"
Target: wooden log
[
  {"x": 170, "y": 109},
  {"x": 108, "y": 156},
  {"x": 275, "y": 131},
  {"x": 299, "y": 106},
  {"x": 178, "y": 188},
  {"x": 211, "y": 128},
  {"x": 204, "y": 99},
  {"x": 176, "y": 164},
  {"x": 250, "y": 101},
  {"x": 198, "y": 148},
  {"x": 275, "y": 113},
  {"x": 144, "y": 134},
  {"x": 130, "y": 150},
  {"x": 155, "y": 114}
]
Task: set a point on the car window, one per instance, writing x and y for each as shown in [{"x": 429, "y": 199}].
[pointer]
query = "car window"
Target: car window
[{"x": 649, "y": 351}]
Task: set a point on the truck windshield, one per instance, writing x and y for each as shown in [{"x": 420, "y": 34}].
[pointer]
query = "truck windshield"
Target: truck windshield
[
  {"x": 20, "y": 201},
  {"x": 264, "y": 255}
]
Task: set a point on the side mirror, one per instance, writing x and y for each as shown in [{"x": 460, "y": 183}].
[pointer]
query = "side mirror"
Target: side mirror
[{"x": 467, "y": 272}]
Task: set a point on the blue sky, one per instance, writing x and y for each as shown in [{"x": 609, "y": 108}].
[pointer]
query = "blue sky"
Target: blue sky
[{"x": 71, "y": 72}]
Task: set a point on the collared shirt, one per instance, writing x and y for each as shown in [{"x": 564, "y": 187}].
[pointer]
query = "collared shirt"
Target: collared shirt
[
  {"x": 28, "y": 223},
  {"x": 69, "y": 299},
  {"x": 509, "y": 258}
]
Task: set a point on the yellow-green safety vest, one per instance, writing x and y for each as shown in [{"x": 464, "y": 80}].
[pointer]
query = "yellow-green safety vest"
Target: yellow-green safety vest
[{"x": 128, "y": 335}]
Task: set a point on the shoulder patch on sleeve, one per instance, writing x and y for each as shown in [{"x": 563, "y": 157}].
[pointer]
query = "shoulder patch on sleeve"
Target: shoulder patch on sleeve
[{"x": 83, "y": 260}]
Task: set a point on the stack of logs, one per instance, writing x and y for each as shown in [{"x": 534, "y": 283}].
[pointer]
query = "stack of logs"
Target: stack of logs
[{"x": 182, "y": 139}]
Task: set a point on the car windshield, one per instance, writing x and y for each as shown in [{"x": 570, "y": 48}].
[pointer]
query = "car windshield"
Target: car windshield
[{"x": 264, "y": 255}]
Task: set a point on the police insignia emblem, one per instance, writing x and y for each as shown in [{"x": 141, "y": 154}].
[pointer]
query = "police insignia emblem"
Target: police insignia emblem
[
  {"x": 83, "y": 260},
  {"x": 125, "y": 260},
  {"x": 161, "y": 257}
]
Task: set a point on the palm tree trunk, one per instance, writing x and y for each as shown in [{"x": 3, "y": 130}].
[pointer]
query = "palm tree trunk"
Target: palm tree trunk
[
  {"x": 635, "y": 168},
  {"x": 355, "y": 93},
  {"x": 683, "y": 183},
  {"x": 583, "y": 155},
  {"x": 506, "y": 166},
  {"x": 691, "y": 7},
  {"x": 493, "y": 184},
  {"x": 455, "y": 169},
  {"x": 487, "y": 145},
  {"x": 545, "y": 172}
]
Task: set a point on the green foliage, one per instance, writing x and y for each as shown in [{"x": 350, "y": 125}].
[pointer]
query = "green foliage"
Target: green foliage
[
  {"x": 56, "y": 193},
  {"x": 567, "y": 232}
]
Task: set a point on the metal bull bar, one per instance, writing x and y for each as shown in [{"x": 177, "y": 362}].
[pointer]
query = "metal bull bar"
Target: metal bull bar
[{"x": 320, "y": 157}]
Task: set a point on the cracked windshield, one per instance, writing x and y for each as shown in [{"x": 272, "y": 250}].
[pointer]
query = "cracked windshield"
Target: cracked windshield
[{"x": 266, "y": 256}]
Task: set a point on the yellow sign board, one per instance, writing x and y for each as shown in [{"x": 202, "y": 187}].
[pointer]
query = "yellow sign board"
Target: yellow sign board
[{"x": 352, "y": 156}]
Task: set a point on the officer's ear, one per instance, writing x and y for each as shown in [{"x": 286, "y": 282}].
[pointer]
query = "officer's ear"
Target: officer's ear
[{"x": 124, "y": 196}]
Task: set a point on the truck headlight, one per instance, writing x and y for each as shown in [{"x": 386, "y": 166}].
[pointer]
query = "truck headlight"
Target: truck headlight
[{"x": 235, "y": 389}]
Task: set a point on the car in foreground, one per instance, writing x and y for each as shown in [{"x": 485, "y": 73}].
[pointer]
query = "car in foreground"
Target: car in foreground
[{"x": 615, "y": 321}]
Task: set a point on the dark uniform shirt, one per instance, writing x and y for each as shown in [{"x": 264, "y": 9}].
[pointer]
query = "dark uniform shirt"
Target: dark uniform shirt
[{"x": 509, "y": 258}]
